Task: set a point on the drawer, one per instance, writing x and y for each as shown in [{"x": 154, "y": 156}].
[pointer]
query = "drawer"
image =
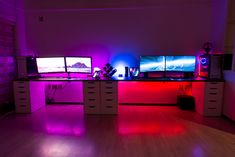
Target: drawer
[
  {"x": 92, "y": 109},
  {"x": 21, "y": 91},
  {"x": 21, "y": 84},
  {"x": 112, "y": 100},
  {"x": 214, "y": 85},
  {"x": 110, "y": 84},
  {"x": 92, "y": 100},
  {"x": 109, "y": 95},
  {"x": 212, "y": 103},
  {"x": 213, "y": 95},
  {"x": 22, "y": 100},
  {"x": 22, "y": 107},
  {"x": 91, "y": 84},
  {"x": 109, "y": 109},
  {"x": 21, "y": 94},
  {"x": 91, "y": 93},
  {"x": 109, "y": 89},
  {"x": 212, "y": 111}
]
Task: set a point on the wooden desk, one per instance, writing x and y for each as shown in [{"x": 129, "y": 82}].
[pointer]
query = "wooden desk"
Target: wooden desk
[{"x": 101, "y": 96}]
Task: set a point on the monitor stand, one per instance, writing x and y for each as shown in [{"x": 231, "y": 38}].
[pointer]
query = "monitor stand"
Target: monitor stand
[
  {"x": 69, "y": 77},
  {"x": 146, "y": 75}
]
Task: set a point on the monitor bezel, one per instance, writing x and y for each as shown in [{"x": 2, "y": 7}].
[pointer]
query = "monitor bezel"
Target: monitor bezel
[
  {"x": 51, "y": 72},
  {"x": 176, "y": 71},
  {"x": 77, "y": 57},
  {"x": 152, "y": 56}
]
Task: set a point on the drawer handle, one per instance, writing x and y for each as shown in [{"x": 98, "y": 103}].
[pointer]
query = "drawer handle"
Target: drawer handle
[
  {"x": 21, "y": 87},
  {"x": 109, "y": 92},
  {"x": 212, "y": 108},
  {"x": 20, "y": 82},
  {"x": 91, "y": 92},
  {"x": 22, "y": 98},
  {"x": 109, "y": 99},
  {"x": 22, "y": 105},
  {"x": 91, "y": 99},
  {"x": 89, "y": 82},
  {"x": 108, "y": 87},
  {"x": 213, "y": 93},
  {"x": 213, "y": 88},
  {"x": 91, "y": 106},
  {"x": 212, "y": 100},
  {"x": 109, "y": 82},
  {"x": 21, "y": 92},
  {"x": 109, "y": 106},
  {"x": 90, "y": 87},
  {"x": 213, "y": 83}
]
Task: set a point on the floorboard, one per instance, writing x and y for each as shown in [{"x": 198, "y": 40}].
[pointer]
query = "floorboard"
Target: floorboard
[{"x": 138, "y": 131}]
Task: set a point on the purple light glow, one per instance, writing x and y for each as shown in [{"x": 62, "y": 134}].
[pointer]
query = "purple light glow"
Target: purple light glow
[{"x": 64, "y": 130}]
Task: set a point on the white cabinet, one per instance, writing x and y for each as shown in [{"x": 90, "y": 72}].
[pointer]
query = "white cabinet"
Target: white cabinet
[
  {"x": 213, "y": 100},
  {"x": 208, "y": 97},
  {"x": 91, "y": 95},
  {"x": 109, "y": 98},
  {"x": 100, "y": 97},
  {"x": 29, "y": 96}
]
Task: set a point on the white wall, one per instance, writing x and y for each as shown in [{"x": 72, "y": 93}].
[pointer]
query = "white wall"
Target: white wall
[
  {"x": 7, "y": 10},
  {"x": 109, "y": 30},
  {"x": 160, "y": 28},
  {"x": 229, "y": 94}
]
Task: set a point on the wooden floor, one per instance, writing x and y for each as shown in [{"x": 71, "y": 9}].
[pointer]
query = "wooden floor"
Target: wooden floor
[{"x": 137, "y": 131}]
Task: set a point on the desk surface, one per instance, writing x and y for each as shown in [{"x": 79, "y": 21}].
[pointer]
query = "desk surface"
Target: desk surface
[{"x": 121, "y": 79}]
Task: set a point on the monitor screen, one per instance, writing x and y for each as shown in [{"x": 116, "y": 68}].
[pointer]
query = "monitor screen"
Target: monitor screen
[
  {"x": 152, "y": 63},
  {"x": 78, "y": 64},
  {"x": 180, "y": 63},
  {"x": 50, "y": 64}
]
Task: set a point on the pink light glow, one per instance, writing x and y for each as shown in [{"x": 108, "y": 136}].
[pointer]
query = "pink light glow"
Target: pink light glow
[{"x": 64, "y": 130}]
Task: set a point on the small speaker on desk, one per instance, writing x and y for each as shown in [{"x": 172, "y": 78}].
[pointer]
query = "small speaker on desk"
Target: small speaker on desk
[
  {"x": 31, "y": 65},
  {"x": 216, "y": 65},
  {"x": 126, "y": 71},
  {"x": 227, "y": 62}
]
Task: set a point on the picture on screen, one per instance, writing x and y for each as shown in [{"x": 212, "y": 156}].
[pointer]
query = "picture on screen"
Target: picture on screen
[
  {"x": 78, "y": 64},
  {"x": 152, "y": 63},
  {"x": 180, "y": 63},
  {"x": 50, "y": 64}
]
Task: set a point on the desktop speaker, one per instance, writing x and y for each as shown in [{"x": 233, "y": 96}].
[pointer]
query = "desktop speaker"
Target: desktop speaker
[
  {"x": 227, "y": 61},
  {"x": 216, "y": 67},
  {"x": 31, "y": 65},
  {"x": 126, "y": 71}
]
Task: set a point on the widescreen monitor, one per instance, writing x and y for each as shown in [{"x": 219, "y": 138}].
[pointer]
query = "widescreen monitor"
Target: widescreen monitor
[
  {"x": 152, "y": 63},
  {"x": 79, "y": 64},
  {"x": 180, "y": 63},
  {"x": 50, "y": 64}
]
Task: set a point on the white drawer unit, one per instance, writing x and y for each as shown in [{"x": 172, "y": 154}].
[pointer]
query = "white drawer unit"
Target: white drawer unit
[
  {"x": 91, "y": 95},
  {"x": 213, "y": 98},
  {"x": 29, "y": 96},
  {"x": 208, "y": 97},
  {"x": 109, "y": 97},
  {"x": 100, "y": 97}
]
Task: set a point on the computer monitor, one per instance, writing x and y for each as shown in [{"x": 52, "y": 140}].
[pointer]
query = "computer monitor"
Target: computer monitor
[
  {"x": 78, "y": 64},
  {"x": 50, "y": 64},
  {"x": 180, "y": 63},
  {"x": 152, "y": 63}
]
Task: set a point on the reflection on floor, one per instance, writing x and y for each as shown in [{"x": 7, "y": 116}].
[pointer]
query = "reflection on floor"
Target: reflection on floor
[{"x": 64, "y": 131}]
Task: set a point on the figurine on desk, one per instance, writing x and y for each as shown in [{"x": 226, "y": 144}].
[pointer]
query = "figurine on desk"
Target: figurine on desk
[{"x": 108, "y": 72}]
